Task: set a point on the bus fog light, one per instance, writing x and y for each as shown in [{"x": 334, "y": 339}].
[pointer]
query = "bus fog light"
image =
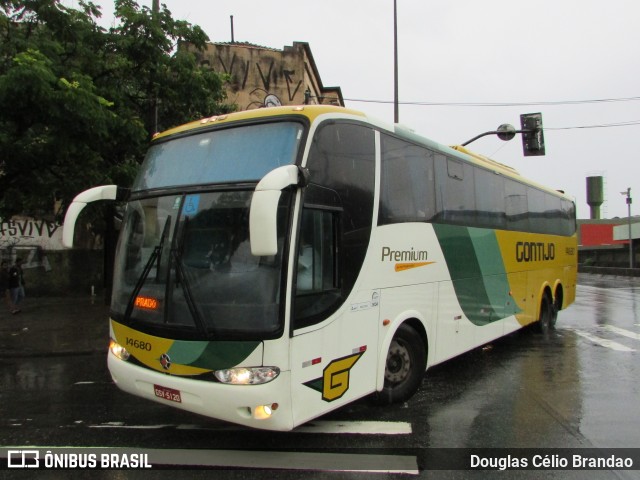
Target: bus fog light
[
  {"x": 264, "y": 411},
  {"x": 118, "y": 350},
  {"x": 247, "y": 375}
]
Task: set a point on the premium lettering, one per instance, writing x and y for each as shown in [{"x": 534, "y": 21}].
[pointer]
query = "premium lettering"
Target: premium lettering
[
  {"x": 535, "y": 251},
  {"x": 412, "y": 255}
]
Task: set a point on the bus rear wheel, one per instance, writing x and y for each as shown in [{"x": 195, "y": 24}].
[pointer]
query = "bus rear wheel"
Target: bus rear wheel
[
  {"x": 405, "y": 366},
  {"x": 548, "y": 315}
]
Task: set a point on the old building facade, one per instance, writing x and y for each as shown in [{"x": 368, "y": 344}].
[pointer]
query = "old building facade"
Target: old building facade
[{"x": 264, "y": 77}]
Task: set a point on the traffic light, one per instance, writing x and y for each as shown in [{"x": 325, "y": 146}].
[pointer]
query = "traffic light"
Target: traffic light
[{"x": 532, "y": 134}]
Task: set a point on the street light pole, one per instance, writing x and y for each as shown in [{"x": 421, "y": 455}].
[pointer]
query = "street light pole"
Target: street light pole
[
  {"x": 628, "y": 194},
  {"x": 155, "y": 12}
]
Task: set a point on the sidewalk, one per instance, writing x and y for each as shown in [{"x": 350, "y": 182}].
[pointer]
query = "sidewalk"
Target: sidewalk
[{"x": 49, "y": 326}]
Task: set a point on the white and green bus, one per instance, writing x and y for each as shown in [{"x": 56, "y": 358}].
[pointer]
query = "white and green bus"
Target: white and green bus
[{"x": 276, "y": 264}]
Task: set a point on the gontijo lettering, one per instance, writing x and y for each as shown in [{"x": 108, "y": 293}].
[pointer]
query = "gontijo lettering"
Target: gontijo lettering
[
  {"x": 535, "y": 251},
  {"x": 412, "y": 255}
]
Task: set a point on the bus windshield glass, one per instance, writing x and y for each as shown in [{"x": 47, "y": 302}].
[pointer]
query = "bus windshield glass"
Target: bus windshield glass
[
  {"x": 244, "y": 153},
  {"x": 184, "y": 267}
]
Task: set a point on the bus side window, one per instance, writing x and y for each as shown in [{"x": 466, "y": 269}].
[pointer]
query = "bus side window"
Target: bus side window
[
  {"x": 316, "y": 252},
  {"x": 407, "y": 193},
  {"x": 455, "y": 199},
  {"x": 516, "y": 206},
  {"x": 317, "y": 286},
  {"x": 490, "y": 199}
]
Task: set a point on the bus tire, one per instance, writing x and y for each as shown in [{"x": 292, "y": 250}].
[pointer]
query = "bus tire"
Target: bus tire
[
  {"x": 547, "y": 318},
  {"x": 405, "y": 366},
  {"x": 554, "y": 315}
]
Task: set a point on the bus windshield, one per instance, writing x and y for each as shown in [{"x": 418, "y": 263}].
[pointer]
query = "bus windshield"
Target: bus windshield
[{"x": 183, "y": 266}]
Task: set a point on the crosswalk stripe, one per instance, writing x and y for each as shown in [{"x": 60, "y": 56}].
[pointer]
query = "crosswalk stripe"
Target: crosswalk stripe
[
  {"x": 314, "y": 427},
  {"x": 604, "y": 342},
  {"x": 361, "y": 428},
  {"x": 623, "y": 332}
]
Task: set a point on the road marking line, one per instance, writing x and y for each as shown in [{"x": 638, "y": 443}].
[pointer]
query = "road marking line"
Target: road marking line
[
  {"x": 132, "y": 427},
  {"x": 336, "y": 462},
  {"x": 623, "y": 332},
  {"x": 320, "y": 426},
  {"x": 604, "y": 342},
  {"x": 362, "y": 428}
]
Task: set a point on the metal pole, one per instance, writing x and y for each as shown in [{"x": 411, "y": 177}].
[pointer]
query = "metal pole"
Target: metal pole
[
  {"x": 155, "y": 12},
  {"x": 629, "y": 223},
  {"x": 396, "y": 112},
  {"x": 233, "y": 40}
]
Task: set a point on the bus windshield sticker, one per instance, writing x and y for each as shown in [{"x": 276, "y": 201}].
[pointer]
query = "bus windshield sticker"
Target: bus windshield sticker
[{"x": 191, "y": 204}]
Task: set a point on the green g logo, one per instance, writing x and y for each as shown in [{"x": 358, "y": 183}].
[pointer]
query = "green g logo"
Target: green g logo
[{"x": 334, "y": 382}]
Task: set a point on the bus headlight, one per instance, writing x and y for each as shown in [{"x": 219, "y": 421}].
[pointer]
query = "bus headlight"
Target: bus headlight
[
  {"x": 247, "y": 375},
  {"x": 118, "y": 350}
]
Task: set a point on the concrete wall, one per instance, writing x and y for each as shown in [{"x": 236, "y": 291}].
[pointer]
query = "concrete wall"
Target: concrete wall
[
  {"x": 60, "y": 272},
  {"x": 49, "y": 268}
]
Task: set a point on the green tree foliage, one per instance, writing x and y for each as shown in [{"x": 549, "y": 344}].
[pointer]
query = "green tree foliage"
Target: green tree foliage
[{"x": 78, "y": 103}]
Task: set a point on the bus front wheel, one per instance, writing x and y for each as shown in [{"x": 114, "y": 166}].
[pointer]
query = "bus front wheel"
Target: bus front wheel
[{"x": 405, "y": 366}]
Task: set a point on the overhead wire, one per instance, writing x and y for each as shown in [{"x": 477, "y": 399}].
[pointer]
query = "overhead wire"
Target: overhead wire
[
  {"x": 500, "y": 104},
  {"x": 523, "y": 104}
]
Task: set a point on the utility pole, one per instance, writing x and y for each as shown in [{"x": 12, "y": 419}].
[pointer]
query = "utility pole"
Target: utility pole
[
  {"x": 155, "y": 12},
  {"x": 396, "y": 112}
]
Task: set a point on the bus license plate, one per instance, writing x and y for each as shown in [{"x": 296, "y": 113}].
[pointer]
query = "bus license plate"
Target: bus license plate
[{"x": 167, "y": 393}]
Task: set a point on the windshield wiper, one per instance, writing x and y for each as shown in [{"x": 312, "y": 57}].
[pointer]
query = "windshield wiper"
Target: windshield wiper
[
  {"x": 155, "y": 255},
  {"x": 183, "y": 281},
  {"x": 160, "y": 247}
]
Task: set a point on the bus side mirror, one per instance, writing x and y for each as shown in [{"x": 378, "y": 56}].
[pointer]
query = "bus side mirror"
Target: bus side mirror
[
  {"x": 263, "y": 228},
  {"x": 104, "y": 192}
]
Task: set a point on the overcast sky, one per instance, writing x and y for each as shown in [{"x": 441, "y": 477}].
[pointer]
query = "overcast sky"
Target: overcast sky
[{"x": 561, "y": 54}]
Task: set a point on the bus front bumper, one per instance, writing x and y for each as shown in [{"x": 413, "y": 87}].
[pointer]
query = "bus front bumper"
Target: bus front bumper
[{"x": 266, "y": 406}]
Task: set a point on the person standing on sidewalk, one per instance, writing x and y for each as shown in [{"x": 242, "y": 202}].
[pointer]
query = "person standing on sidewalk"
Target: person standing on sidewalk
[
  {"x": 4, "y": 286},
  {"x": 16, "y": 285}
]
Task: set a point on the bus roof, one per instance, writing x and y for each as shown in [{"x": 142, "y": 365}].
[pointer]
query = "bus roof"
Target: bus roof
[{"x": 309, "y": 111}]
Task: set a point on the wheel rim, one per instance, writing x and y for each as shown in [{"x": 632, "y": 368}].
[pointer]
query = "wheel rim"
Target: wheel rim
[{"x": 398, "y": 363}]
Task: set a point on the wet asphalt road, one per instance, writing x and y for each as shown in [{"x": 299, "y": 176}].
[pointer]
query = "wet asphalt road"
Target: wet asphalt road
[{"x": 575, "y": 388}]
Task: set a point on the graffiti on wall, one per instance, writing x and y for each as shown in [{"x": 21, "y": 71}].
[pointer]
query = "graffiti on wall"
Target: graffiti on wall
[
  {"x": 30, "y": 231},
  {"x": 261, "y": 98},
  {"x": 28, "y": 238},
  {"x": 268, "y": 90}
]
